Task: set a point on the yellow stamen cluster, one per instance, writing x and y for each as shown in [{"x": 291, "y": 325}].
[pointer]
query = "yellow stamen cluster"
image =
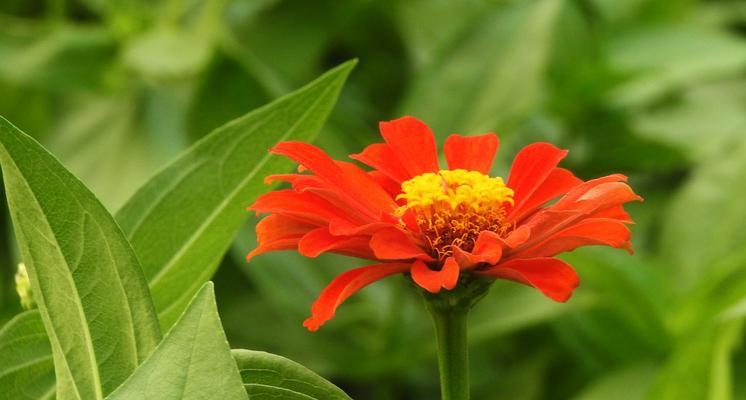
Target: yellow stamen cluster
[{"x": 453, "y": 206}]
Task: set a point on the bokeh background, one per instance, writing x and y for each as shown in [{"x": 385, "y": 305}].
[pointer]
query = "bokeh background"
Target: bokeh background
[{"x": 655, "y": 89}]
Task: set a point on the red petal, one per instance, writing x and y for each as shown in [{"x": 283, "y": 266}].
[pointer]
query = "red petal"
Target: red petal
[
  {"x": 320, "y": 241},
  {"x": 344, "y": 286},
  {"x": 558, "y": 182},
  {"x": 276, "y": 232},
  {"x": 362, "y": 193},
  {"x": 394, "y": 244},
  {"x": 413, "y": 144},
  {"x": 299, "y": 182},
  {"x": 339, "y": 227},
  {"x": 472, "y": 153},
  {"x": 487, "y": 249},
  {"x": 389, "y": 185},
  {"x": 381, "y": 157},
  {"x": 553, "y": 277},
  {"x": 300, "y": 205},
  {"x": 594, "y": 231},
  {"x": 433, "y": 281},
  {"x": 590, "y": 199},
  {"x": 531, "y": 167}
]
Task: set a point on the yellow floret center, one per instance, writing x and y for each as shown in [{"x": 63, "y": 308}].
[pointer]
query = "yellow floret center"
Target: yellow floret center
[{"x": 452, "y": 207}]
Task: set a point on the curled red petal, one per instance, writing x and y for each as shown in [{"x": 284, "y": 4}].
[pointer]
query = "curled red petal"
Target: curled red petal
[
  {"x": 389, "y": 185},
  {"x": 344, "y": 286},
  {"x": 413, "y": 144},
  {"x": 557, "y": 183},
  {"x": 319, "y": 240},
  {"x": 381, "y": 157},
  {"x": 594, "y": 231},
  {"x": 394, "y": 244},
  {"x": 352, "y": 184},
  {"x": 433, "y": 281},
  {"x": 472, "y": 153},
  {"x": 276, "y": 232},
  {"x": 488, "y": 249},
  {"x": 531, "y": 167},
  {"x": 555, "y": 278},
  {"x": 303, "y": 206}
]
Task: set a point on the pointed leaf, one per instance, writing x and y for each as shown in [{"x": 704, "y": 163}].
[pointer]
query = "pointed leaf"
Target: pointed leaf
[
  {"x": 26, "y": 366},
  {"x": 85, "y": 276},
  {"x": 193, "y": 361},
  {"x": 271, "y": 376},
  {"x": 184, "y": 219}
]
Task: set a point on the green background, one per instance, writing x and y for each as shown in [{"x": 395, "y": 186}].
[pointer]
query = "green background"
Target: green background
[{"x": 655, "y": 89}]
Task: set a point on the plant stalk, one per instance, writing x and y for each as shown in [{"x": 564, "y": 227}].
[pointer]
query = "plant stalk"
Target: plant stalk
[
  {"x": 449, "y": 310},
  {"x": 453, "y": 351}
]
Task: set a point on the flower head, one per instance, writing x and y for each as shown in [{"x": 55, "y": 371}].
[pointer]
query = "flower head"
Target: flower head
[{"x": 440, "y": 226}]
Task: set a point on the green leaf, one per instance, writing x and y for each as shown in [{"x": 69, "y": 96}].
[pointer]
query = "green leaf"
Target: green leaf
[
  {"x": 86, "y": 278},
  {"x": 192, "y": 362},
  {"x": 269, "y": 376},
  {"x": 629, "y": 383},
  {"x": 184, "y": 219},
  {"x": 704, "y": 222},
  {"x": 665, "y": 58},
  {"x": 512, "y": 46},
  {"x": 26, "y": 366},
  {"x": 168, "y": 53},
  {"x": 699, "y": 365},
  {"x": 707, "y": 120}
]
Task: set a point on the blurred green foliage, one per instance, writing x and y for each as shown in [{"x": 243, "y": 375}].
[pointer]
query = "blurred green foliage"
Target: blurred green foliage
[{"x": 655, "y": 89}]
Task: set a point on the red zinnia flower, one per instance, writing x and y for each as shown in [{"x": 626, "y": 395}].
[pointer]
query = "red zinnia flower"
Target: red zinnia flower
[{"x": 438, "y": 225}]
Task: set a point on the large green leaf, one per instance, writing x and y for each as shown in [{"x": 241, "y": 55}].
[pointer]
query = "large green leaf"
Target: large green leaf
[
  {"x": 269, "y": 376},
  {"x": 26, "y": 366},
  {"x": 192, "y": 362},
  {"x": 184, "y": 219},
  {"x": 86, "y": 278}
]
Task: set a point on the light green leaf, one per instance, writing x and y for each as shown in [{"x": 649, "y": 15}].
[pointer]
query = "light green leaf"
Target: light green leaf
[
  {"x": 512, "y": 47},
  {"x": 192, "y": 362},
  {"x": 707, "y": 120},
  {"x": 85, "y": 276},
  {"x": 665, "y": 58},
  {"x": 704, "y": 224},
  {"x": 631, "y": 383},
  {"x": 168, "y": 54},
  {"x": 269, "y": 376},
  {"x": 184, "y": 219},
  {"x": 26, "y": 366},
  {"x": 699, "y": 365}
]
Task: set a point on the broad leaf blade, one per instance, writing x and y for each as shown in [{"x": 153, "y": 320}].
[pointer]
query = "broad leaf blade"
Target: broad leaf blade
[
  {"x": 86, "y": 279},
  {"x": 184, "y": 219},
  {"x": 271, "y": 376},
  {"x": 26, "y": 366},
  {"x": 192, "y": 362}
]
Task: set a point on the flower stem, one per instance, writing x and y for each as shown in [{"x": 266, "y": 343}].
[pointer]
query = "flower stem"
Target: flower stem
[
  {"x": 453, "y": 352},
  {"x": 449, "y": 311}
]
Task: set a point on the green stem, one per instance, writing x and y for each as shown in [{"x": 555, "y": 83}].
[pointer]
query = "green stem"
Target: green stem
[
  {"x": 449, "y": 310},
  {"x": 453, "y": 351}
]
